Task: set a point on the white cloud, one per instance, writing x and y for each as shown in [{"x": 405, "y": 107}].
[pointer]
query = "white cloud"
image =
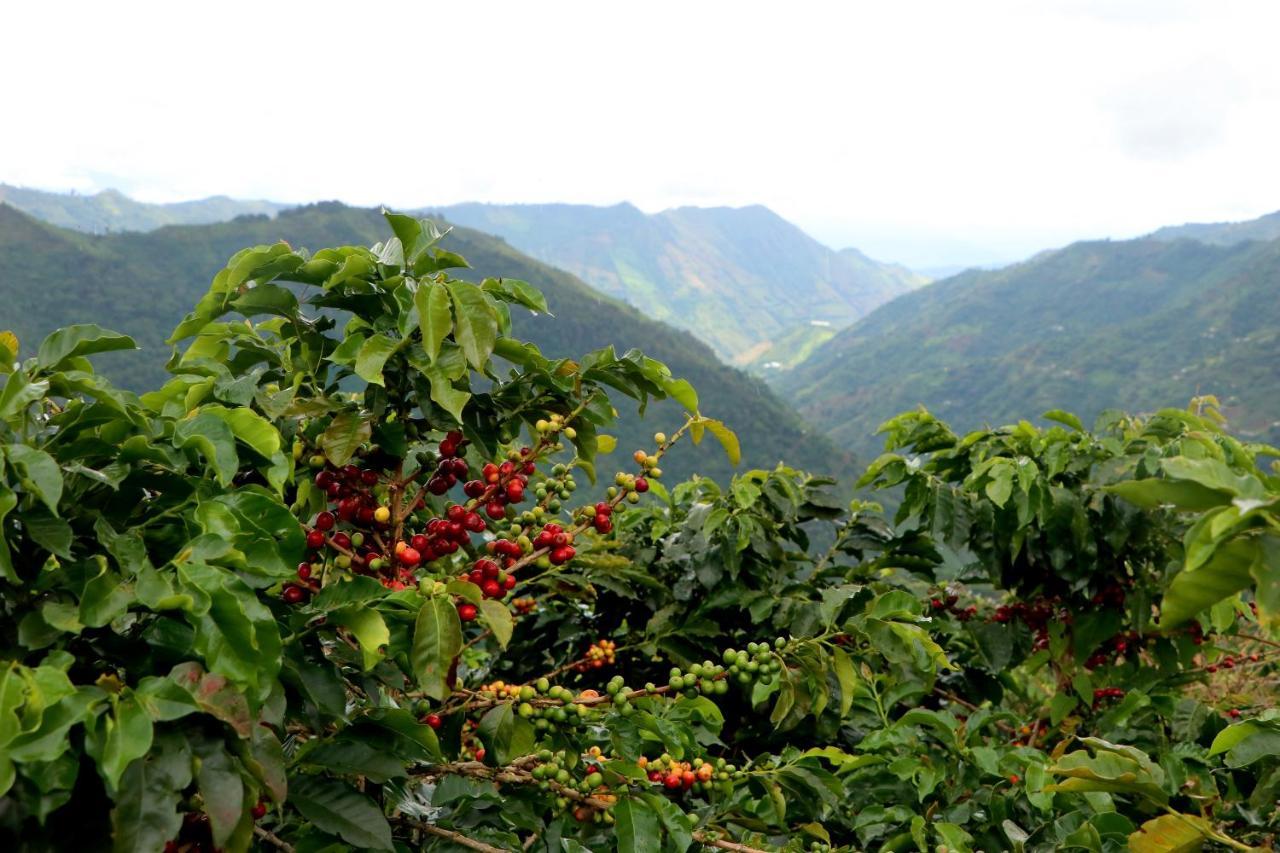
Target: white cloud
[{"x": 927, "y": 132}]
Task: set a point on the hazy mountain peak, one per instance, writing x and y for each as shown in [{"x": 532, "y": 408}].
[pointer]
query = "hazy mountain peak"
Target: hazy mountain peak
[
  {"x": 740, "y": 278},
  {"x": 112, "y": 210}
]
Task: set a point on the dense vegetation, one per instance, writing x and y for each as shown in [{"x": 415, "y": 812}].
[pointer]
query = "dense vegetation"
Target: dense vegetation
[
  {"x": 740, "y": 279},
  {"x": 1140, "y": 324},
  {"x": 111, "y": 210},
  {"x": 141, "y": 284},
  {"x": 330, "y": 587}
]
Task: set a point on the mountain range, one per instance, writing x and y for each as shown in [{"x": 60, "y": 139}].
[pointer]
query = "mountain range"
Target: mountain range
[
  {"x": 1136, "y": 324},
  {"x": 742, "y": 279},
  {"x": 142, "y": 283},
  {"x": 111, "y": 210}
]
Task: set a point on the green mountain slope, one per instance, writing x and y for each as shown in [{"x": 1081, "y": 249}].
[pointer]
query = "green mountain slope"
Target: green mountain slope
[
  {"x": 143, "y": 283},
  {"x": 1223, "y": 233},
  {"x": 110, "y": 210},
  {"x": 1136, "y": 324},
  {"x": 739, "y": 278}
]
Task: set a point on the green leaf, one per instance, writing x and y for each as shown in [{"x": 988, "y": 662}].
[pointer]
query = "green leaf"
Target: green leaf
[
  {"x": 476, "y": 326},
  {"x": 846, "y": 677},
  {"x": 728, "y": 440},
  {"x": 498, "y": 617},
  {"x": 683, "y": 393},
  {"x": 636, "y": 827},
  {"x": 1228, "y": 570},
  {"x": 146, "y": 801},
  {"x": 237, "y": 635},
  {"x": 373, "y": 354},
  {"x": 79, "y": 340},
  {"x": 338, "y": 809},
  {"x": 1214, "y": 474},
  {"x": 213, "y": 438},
  {"x": 674, "y": 820},
  {"x": 437, "y": 639},
  {"x": 434, "y": 316},
  {"x": 41, "y": 470},
  {"x": 369, "y": 629},
  {"x": 445, "y": 395},
  {"x": 1247, "y": 742},
  {"x": 1182, "y": 494},
  {"x": 119, "y": 737},
  {"x": 18, "y": 393},
  {"x": 343, "y": 437},
  {"x": 222, "y": 791},
  {"x": 1170, "y": 833},
  {"x": 1000, "y": 485},
  {"x": 954, "y": 836},
  {"x": 506, "y": 736},
  {"x": 1064, "y": 418},
  {"x": 8, "y": 500}
]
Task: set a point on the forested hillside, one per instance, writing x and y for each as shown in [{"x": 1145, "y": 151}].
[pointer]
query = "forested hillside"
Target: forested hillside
[
  {"x": 111, "y": 210},
  {"x": 1223, "y": 233},
  {"x": 1137, "y": 324},
  {"x": 143, "y": 284},
  {"x": 741, "y": 279}
]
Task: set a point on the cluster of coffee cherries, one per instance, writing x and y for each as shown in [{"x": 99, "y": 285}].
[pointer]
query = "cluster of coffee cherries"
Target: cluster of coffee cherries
[
  {"x": 1230, "y": 661},
  {"x": 554, "y": 772},
  {"x": 1115, "y": 649},
  {"x": 949, "y": 603},
  {"x": 601, "y": 653},
  {"x": 493, "y": 580},
  {"x": 759, "y": 663},
  {"x": 706, "y": 677},
  {"x": 1036, "y": 615},
  {"x": 1104, "y": 693},
  {"x": 619, "y": 695},
  {"x": 558, "y": 541},
  {"x": 524, "y": 605},
  {"x": 502, "y": 484},
  {"x": 554, "y": 769},
  {"x": 700, "y": 775},
  {"x": 545, "y": 717}
]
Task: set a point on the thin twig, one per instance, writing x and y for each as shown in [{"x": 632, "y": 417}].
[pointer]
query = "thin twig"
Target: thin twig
[
  {"x": 268, "y": 835},
  {"x": 458, "y": 838},
  {"x": 702, "y": 838}
]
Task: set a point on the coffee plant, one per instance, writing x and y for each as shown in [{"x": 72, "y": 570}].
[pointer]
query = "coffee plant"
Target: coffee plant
[{"x": 361, "y": 575}]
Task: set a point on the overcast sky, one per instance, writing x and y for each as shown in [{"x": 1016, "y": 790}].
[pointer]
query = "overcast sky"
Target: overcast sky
[{"x": 929, "y": 133}]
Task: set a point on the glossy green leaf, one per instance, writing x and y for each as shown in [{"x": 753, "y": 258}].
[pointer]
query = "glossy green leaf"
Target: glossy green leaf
[
  {"x": 637, "y": 827},
  {"x": 369, "y": 629},
  {"x": 338, "y": 809},
  {"x": 120, "y": 736},
  {"x": 1228, "y": 571},
  {"x": 215, "y": 441},
  {"x": 498, "y": 618},
  {"x": 80, "y": 340},
  {"x": 437, "y": 639},
  {"x": 41, "y": 474},
  {"x": 373, "y": 354},
  {"x": 505, "y": 735},
  {"x": 19, "y": 392},
  {"x": 146, "y": 802},
  {"x": 435, "y": 317},
  {"x": 1170, "y": 833},
  {"x": 475, "y": 325},
  {"x": 346, "y": 432}
]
